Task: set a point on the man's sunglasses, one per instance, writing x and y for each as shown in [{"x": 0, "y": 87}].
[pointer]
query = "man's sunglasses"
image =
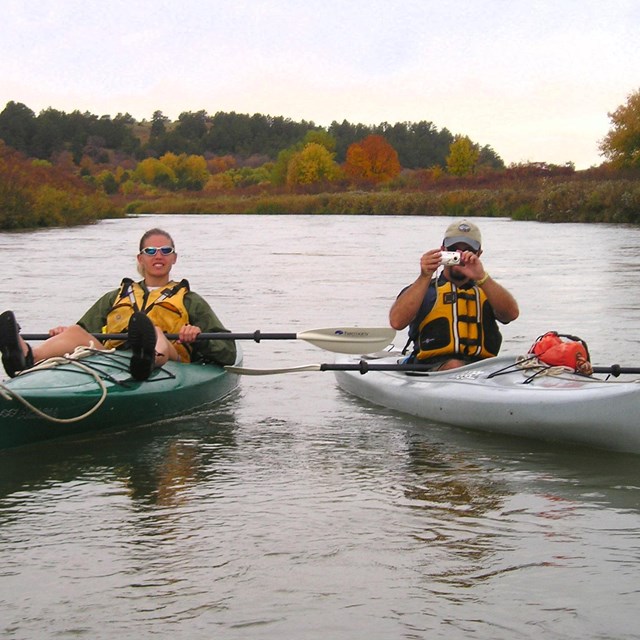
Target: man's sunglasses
[
  {"x": 151, "y": 251},
  {"x": 457, "y": 247}
]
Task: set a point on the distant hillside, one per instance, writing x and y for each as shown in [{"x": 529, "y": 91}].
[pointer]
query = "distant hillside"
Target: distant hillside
[{"x": 51, "y": 132}]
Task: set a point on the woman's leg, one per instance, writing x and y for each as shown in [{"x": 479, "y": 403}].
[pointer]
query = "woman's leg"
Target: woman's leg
[
  {"x": 63, "y": 343},
  {"x": 165, "y": 350}
]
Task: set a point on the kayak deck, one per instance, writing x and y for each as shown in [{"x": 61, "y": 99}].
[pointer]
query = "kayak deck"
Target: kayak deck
[
  {"x": 97, "y": 392},
  {"x": 500, "y": 396}
]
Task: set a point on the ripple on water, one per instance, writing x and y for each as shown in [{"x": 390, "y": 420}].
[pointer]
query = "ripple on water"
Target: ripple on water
[{"x": 295, "y": 510}]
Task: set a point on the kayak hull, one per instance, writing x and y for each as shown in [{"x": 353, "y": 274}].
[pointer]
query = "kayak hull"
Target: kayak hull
[
  {"x": 557, "y": 406},
  {"x": 98, "y": 393}
]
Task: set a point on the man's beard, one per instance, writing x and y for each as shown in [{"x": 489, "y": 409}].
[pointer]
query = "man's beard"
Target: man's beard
[{"x": 457, "y": 277}]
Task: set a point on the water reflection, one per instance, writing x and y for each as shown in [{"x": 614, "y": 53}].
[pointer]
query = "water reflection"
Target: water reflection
[
  {"x": 295, "y": 510},
  {"x": 153, "y": 465}
]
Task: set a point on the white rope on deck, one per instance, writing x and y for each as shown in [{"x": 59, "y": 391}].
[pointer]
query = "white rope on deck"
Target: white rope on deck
[
  {"x": 530, "y": 365},
  {"x": 70, "y": 358}
]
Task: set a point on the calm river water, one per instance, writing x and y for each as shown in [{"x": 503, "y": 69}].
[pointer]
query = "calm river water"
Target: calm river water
[{"x": 295, "y": 511}]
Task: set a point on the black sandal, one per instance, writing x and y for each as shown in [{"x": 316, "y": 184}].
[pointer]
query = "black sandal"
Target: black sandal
[
  {"x": 142, "y": 342},
  {"x": 13, "y": 358}
]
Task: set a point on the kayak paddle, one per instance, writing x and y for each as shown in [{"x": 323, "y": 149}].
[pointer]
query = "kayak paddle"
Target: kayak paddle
[
  {"x": 350, "y": 340},
  {"x": 363, "y": 366}
]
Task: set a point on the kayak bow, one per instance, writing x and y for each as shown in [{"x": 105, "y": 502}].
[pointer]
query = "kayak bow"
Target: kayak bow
[
  {"x": 502, "y": 396},
  {"x": 96, "y": 392}
]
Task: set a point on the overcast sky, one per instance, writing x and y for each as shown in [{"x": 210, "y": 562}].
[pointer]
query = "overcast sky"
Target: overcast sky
[{"x": 534, "y": 79}]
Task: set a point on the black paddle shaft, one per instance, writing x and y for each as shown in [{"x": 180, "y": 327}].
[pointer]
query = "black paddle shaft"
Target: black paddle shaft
[
  {"x": 256, "y": 336},
  {"x": 363, "y": 367},
  {"x": 615, "y": 370}
]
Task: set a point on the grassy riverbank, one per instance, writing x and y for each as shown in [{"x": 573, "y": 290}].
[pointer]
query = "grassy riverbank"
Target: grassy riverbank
[
  {"x": 614, "y": 201},
  {"x": 35, "y": 194}
]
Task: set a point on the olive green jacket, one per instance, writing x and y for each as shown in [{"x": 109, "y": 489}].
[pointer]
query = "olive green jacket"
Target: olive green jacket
[{"x": 200, "y": 314}]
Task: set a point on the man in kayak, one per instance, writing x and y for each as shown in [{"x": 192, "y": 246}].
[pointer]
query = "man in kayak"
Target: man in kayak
[
  {"x": 145, "y": 310},
  {"x": 453, "y": 318}
]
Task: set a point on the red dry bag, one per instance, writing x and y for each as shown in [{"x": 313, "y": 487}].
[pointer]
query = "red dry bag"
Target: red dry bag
[{"x": 563, "y": 350}]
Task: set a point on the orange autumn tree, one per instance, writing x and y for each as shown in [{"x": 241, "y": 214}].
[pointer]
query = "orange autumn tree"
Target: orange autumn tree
[
  {"x": 372, "y": 160},
  {"x": 621, "y": 145}
]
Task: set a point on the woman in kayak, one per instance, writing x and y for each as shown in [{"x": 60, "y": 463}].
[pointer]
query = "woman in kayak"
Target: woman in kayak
[
  {"x": 453, "y": 318},
  {"x": 145, "y": 310}
]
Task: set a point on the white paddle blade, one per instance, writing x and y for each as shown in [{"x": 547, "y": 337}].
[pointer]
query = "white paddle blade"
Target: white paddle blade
[
  {"x": 245, "y": 371},
  {"x": 352, "y": 340}
]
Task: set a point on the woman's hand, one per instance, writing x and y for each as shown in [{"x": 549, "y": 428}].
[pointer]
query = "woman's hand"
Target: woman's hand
[
  {"x": 56, "y": 331},
  {"x": 189, "y": 333}
]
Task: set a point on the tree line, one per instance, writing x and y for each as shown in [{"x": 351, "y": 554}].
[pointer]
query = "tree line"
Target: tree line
[
  {"x": 51, "y": 132},
  {"x": 58, "y": 169}
]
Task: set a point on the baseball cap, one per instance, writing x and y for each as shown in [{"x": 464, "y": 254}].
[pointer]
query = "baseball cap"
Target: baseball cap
[{"x": 463, "y": 231}]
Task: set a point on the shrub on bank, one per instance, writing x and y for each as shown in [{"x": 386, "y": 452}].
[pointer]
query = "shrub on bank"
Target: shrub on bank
[
  {"x": 590, "y": 201},
  {"x": 36, "y": 194}
]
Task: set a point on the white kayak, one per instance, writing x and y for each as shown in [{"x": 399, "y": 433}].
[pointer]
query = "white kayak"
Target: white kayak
[{"x": 499, "y": 395}]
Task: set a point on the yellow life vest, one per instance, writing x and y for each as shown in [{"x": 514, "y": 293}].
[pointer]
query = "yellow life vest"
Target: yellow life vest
[
  {"x": 460, "y": 323},
  {"x": 164, "y": 306}
]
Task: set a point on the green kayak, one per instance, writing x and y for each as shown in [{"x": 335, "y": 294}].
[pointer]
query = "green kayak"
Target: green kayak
[{"x": 69, "y": 396}]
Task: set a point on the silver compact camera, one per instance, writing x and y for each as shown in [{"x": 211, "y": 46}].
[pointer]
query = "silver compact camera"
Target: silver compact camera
[{"x": 450, "y": 258}]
